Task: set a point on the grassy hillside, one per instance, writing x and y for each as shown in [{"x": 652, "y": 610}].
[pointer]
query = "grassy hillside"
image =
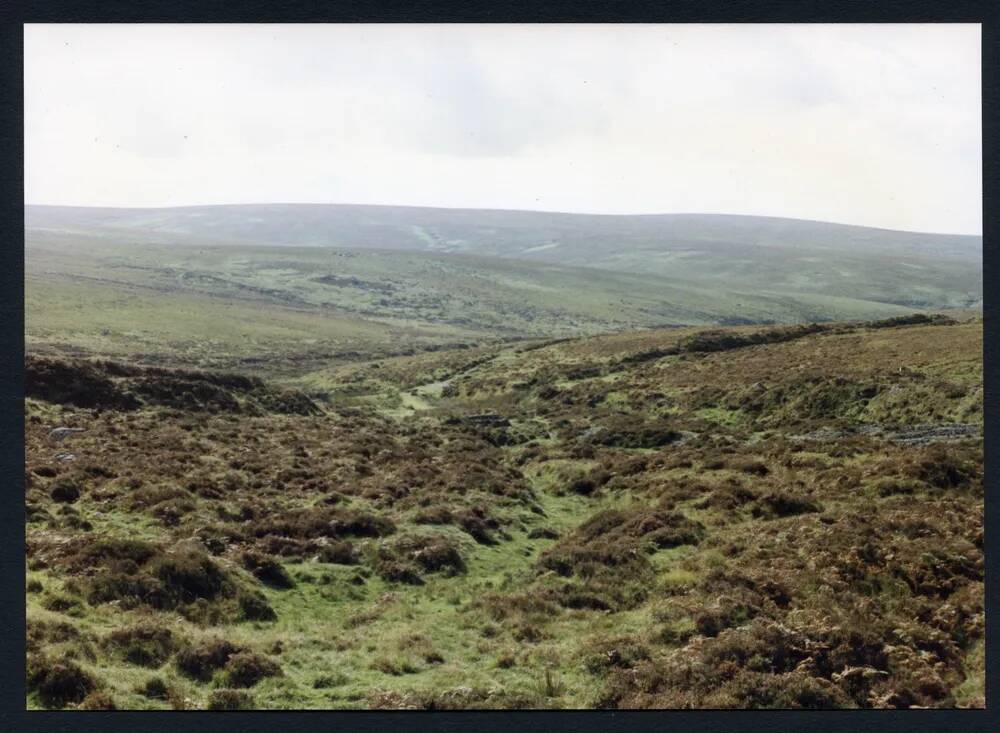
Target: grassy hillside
[
  {"x": 713, "y": 251},
  {"x": 736, "y": 517},
  {"x": 238, "y": 306}
]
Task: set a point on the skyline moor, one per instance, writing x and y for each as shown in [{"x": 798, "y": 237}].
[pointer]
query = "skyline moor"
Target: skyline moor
[
  {"x": 388, "y": 205},
  {"x": 645, "y": 370}
]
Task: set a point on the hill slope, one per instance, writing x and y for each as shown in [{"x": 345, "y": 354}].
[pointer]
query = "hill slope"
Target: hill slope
[
  {"x": 234, "y": 287},
  {"x": 730, "y": 252},
  {"x": 227, "y": 306}
]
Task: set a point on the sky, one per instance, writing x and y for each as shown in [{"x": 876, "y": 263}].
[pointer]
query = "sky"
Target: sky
[{"x": 878, "y": 125}]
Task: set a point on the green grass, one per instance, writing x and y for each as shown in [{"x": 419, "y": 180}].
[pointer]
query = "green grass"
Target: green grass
[
  {"x": 721, "y": 415},
  {"x": 188, "y": 327},
  {"x": 972, "y": 691}
]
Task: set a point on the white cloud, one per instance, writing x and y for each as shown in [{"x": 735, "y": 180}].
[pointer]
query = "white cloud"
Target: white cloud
[{"x": 876, "y": 125}]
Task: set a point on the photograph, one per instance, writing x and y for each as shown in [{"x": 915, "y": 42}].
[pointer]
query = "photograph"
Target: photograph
[{"x": 516, "y": 366}]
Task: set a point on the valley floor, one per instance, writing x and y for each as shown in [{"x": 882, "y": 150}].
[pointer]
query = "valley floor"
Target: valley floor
[{"x": 742, "y": 517}]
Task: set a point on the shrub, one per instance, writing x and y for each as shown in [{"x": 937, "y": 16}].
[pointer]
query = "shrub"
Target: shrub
[
  {"x": 394, "y": 571},
  {"x": 246, "y": 669},
  {"x": 230, "y": 700},
  {"x": 583, "y": 486},
  {"x": 790, "y": 691},
  {"x": 728, "y": 613},
  {"x": 394, "y": 666},
  {"x": 613, "y": 538},
  {"x": 752, "y": 466},
  {"x": 146, "y": 645},
  {"x": 942, "y": 469},
  {"x": 286, "y": 546},
  {"x": 433, "y": 554},
  {"x": 622, "y": 652},
  {"x": 73, "y": 382},
  {"x": 890, "y": 486},
  {"x": 98, "y": 701},
  {"x": 477, "y": 522},
  {"x": 101, "y": 551},
  {"x": 434, "y": 515},
  {"x": 266, "y": 570},
  {"x": 288, "y": 402},
  {"x": 149, "y": 496},
  {"x": 185, "y": 391},
  {"x": 728, "y": 498},
  {"x": 62, "y": 604},
  {"x": 127, "y": 587},
  {"x": 66, "y": 490},
  {"x": 326, "y": 681},
  {"x": 171, "y": 512},
  {"x": 161, "y": 580},
  {"x": 779, "y": 504},
  {"x": 332, "y": 522},
  {"x": 254, "y": 607},
  {"x": 338, "y": 553},
  {"x": 916, "y": 319},
  {"x": 201, "y": 660},
  {"x": 188, "y": 574},
  {"x": 155, "y": 689},
  {"x": 632, "y": 431},
  {"x": 708, "y": 341},
  {"x": 216, "y": 538},
  {"x": 58, "y": 682},
  {"x": 608, "y": 552}
]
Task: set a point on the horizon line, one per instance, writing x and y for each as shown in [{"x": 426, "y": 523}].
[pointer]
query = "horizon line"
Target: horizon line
[{"x": 498, "y": 209}]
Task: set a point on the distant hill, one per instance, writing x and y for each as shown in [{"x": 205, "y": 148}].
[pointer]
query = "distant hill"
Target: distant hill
[
  {"x": 732, "y": 252},
  {"x": 197, "y": 304}
]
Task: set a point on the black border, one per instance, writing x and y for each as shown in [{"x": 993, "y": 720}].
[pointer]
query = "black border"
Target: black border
[{"x": 13, "y": 715}]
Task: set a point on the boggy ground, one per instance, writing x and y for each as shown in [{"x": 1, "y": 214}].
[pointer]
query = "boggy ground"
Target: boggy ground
[{"x": 743, "y": 517}]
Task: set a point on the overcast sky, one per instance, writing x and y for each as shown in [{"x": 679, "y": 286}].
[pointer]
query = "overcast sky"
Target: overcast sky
[{"x": 875, "y": 125}]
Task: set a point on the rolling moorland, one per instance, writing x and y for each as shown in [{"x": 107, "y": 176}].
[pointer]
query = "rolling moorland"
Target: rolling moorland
[{"x": 333, "y": 476}]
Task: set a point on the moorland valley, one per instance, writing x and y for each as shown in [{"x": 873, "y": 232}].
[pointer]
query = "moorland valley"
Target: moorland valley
[{"x": 391, "y": 457}]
